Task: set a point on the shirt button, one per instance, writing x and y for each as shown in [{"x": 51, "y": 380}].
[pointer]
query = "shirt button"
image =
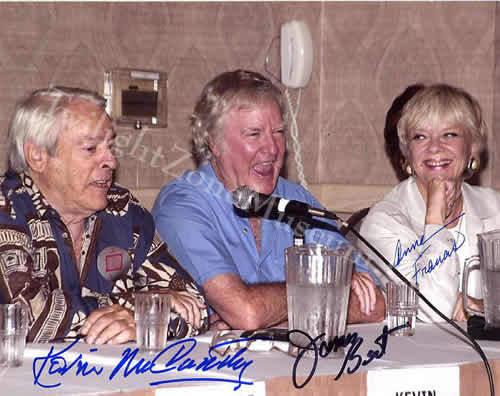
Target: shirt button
[
  {"x": 65, "y": 235},
  {"x": 245, "y": 230}
]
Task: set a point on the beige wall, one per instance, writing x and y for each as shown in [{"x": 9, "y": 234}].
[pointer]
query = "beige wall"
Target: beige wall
[{"x": 365, "y": 54}]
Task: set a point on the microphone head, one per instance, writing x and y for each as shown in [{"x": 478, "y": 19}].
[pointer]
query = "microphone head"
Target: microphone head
[{"x": 243, "y": 198}]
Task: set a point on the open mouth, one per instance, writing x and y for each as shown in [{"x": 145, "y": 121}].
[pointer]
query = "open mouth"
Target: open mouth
[
  {"x": 104, "y": 184},
  {"x": 264, "y": 169},
  {"x": 437, "y": 164}
]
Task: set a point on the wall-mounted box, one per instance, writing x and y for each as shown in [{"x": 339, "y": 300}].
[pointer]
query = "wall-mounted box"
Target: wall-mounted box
[{"x": 136, "y": 97}]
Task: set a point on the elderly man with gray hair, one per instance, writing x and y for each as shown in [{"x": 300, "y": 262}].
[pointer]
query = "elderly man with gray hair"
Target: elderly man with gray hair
[{"x": 74, "y": 246}]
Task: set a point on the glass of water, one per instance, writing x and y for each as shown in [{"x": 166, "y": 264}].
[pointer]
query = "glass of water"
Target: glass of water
[
  {"x": 152, "y": 318},
  {"x": 13, "y": 332},
  {"x": 402, "y": 308}
]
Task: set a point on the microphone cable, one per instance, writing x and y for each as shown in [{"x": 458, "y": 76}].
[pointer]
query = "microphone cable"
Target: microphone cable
[{"x": 475, "y": 345}]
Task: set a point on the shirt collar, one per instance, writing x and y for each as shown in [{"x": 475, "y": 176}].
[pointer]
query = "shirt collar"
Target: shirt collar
[
  {"x": 39, "y": 201},
  {"x": 212, "y": 183}
]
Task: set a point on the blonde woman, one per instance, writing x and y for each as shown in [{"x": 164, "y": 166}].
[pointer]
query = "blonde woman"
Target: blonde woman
[{"x": 427, "y": 225}]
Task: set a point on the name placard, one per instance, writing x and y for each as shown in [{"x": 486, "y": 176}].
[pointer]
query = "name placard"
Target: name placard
[
  {"x": 258, "y": 388},
  {"x": 420, "y": 381}
]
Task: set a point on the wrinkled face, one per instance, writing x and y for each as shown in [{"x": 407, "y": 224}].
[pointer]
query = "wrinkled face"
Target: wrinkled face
[
  {"x": 78, "y": 176},
  {"x": 441, "y": 151},
  {"x": 250, "y": 149}
]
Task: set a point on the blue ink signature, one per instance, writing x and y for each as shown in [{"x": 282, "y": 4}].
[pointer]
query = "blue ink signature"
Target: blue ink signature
[
  {"x": 401, "y": 253},
  {"x": 175, "y": 357},
  {"x": 325, "y": 348}
]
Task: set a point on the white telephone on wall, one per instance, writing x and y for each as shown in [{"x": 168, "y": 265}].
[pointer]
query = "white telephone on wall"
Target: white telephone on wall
[{"x": 296, "y": 54}]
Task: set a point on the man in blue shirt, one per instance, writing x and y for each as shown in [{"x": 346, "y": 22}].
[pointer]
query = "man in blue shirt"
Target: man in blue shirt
[
  {"x": 239, "y": 137},
  {"x": 74, "y": 246}
]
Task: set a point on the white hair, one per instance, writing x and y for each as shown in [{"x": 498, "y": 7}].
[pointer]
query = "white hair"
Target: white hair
[{"x": 36, "y": 119}]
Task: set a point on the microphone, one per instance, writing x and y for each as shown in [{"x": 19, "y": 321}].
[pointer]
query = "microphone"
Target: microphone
[{"x": 244, "y": 198}]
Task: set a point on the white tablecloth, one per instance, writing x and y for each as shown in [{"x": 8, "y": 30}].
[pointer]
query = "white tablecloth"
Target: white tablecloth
[{"x": 431, "y": 346}]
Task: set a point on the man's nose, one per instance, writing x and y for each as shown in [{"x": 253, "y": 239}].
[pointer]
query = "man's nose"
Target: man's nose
[
  {"x": 109, "y": 159},
  {"x": 271, "y": 143}
]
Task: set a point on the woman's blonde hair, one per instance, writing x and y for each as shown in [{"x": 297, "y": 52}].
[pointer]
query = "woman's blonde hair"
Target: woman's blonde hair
[{"x": 439, "y": 102}]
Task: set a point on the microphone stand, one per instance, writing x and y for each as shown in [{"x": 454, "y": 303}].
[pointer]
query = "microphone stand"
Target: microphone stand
[
  {"x": 298, "y": 236},
  {"x": 333, "y": 216}
]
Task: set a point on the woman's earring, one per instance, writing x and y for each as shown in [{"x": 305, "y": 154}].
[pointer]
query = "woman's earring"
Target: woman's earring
[
  {"x": 409, "y": 170},
  {"x": 472, "y": 167}
]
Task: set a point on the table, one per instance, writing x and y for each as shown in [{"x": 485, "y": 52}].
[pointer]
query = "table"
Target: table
[{"x": 270, "y": 372}]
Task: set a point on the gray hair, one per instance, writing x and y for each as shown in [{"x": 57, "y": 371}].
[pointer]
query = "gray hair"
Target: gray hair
[
  {"x": 219, "y": 96},
  {"x": 37, "y": 119},
  {"x": 442, "y": 102}
]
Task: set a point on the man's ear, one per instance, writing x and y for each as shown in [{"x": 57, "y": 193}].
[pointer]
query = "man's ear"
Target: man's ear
[
  {"x": 214, "y": 145},
  {"x": 36, "y": 157}
]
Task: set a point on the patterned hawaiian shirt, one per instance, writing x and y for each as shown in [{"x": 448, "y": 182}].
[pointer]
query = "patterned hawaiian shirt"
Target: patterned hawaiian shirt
[{"x": 121, "y": 253}]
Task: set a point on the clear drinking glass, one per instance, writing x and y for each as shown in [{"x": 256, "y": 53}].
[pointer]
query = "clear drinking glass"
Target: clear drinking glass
[
  {"x": 402, "y": 308},
  {"x": 13, "y": 332},
  {"x": 152, "y": 318},
  {"x": 318, "y": 280},
  {"x": 489, "y": 264}
]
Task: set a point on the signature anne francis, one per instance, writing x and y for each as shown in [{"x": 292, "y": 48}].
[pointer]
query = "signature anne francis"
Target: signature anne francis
[
  {"x": 400, "y": 253},
  {"x": 175, "y": 358}
]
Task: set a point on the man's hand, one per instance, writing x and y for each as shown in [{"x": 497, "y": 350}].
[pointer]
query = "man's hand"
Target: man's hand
[
  {"x": 363, "y": 287},
  {"x": 187, "y": 306},
  {"x": 109, "y": 325},
  {"x": 360, "y": 308},
  {"x": 217, "y": 323}
]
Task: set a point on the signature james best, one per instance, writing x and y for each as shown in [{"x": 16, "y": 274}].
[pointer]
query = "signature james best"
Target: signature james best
[
  {"x": 352, "y": 356},
  {"x": 400, "y": 253},
  {"x": 175, "y": 358}
]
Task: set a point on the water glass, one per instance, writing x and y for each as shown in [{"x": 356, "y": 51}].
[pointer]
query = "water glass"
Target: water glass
[
  {"x": 318, "y": 281},
  {"x": 489, "y": 264},
  {"x": 402, "y": 308},
  {"x": 13, "y": 332},
  {"x": 152, "y": 318}
]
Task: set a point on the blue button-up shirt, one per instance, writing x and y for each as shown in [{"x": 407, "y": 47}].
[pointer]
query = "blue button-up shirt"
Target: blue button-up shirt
[{"x": 194, "y": 214}]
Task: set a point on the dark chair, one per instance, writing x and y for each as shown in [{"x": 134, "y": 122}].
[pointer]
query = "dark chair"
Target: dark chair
[{"x": 354, "y": 222}]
